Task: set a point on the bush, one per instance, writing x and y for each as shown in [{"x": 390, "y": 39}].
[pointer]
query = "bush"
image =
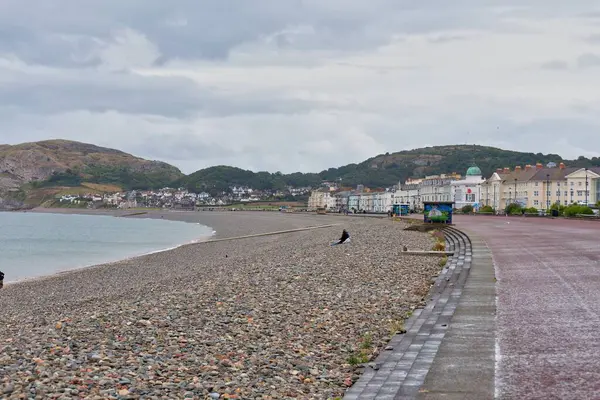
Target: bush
[
  {"x": 487, "y": 209},
  {"x": 468, "y": 209},
  {"x": 514, "y": 209},
  {"x": 531, "y": 210},
  {"x": 558, "y": 207},
  {"x": 575, "y": 209}
]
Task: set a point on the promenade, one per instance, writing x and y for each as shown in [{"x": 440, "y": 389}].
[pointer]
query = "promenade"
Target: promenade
[
  {"x": 548, "y": 305},
  {"x": 525, "y": 325}
]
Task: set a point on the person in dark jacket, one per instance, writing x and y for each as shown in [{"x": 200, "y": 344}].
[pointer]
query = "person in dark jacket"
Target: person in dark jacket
[
  {"x": 1, "y": 279},
  {"x": 344, "y": 239}
]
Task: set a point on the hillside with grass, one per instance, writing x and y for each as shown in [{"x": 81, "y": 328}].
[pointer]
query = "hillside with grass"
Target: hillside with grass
[
  {"x": 31, "y": 171},
  {"x": 381, "y": 171},
  {"x": 34, "y": 173}
]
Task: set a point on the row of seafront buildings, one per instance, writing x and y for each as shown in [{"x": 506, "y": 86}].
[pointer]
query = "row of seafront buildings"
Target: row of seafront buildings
[{"x": 530, "y": 186}]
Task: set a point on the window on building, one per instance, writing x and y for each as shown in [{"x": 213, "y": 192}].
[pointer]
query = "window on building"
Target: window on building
[
  {"x": 536, "y": 193},
  {"x": 580, "y": 193},
  {"x": 580, "y": 183},
  {"x": 536, "y": 184},
  {"x": 557, "y": 183},
  {"x": 548, "y": 193},
  {"x": 566, "y": 193},
  {"x": 535, "y": 202},
  {"x": 572, "y": 183},
  {"x": 558, "y": 193}
]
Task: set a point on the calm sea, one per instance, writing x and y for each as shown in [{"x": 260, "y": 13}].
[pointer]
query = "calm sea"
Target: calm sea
[{"x": 33, "y": 245}]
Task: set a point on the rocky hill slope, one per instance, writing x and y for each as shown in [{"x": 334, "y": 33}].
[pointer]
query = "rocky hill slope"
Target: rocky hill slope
[{"x": 64, "y": 162}]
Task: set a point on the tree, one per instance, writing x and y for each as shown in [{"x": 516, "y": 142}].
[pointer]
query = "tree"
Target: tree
[{"x": 468, "y": 209}]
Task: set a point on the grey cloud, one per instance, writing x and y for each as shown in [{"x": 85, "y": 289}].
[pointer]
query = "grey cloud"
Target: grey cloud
[
  {"x": 134, "y": 94},
  {"x": 210, "y": 29},
  {"x": 555, "y": 65},
  {"x": 262, "y": 126},
  {"x": 588, "y": 61},
  {"x": 595, "y": 38}
]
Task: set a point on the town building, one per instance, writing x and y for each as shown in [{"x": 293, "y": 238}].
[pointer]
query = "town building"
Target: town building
[
  {"x": 467, "y": 191},
  {"x": 540, "y": 187}
]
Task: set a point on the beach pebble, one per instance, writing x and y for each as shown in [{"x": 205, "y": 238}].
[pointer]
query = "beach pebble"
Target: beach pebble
[{"x": 278, "y": 318}]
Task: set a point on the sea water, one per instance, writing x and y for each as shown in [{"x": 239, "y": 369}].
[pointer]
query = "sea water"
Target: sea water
[{"x": 36, "y": 244}]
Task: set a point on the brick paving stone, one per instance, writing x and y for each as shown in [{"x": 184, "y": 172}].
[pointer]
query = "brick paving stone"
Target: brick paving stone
[{"x": 403, "y": 369}]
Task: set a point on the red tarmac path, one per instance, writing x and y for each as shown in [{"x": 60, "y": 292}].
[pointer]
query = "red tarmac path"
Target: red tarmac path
[{"x": 548, "y": 305}]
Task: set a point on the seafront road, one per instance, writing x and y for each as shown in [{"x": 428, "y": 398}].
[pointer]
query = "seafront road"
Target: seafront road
[{"x": 548, "y": 305}]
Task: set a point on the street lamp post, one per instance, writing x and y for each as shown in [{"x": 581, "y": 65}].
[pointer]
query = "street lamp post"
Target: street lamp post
[
  {"x": 586, "y": 187},
  {"x": 547, "y": 191}
]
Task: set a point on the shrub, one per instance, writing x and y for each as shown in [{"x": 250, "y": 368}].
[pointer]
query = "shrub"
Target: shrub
[
  {"x": 514, "y": 209},
  {"x": 467, "y": 209},
  {"x": 558, "y": 207},
  {"x": 487, "y": 209},
  {"x": 531, "y": 210},
  {"x": 575, "y": 209},
  {"x": 439, "y": 246}
]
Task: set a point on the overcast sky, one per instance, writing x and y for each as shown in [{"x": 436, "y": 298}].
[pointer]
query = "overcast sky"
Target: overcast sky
[{"x": 300, "y": 84}]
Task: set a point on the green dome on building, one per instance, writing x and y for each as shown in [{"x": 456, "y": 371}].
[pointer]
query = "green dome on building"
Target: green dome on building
[{"x": 474, "y": 171}]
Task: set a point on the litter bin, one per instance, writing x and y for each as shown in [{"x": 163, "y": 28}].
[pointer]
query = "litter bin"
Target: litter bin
[{"x": 555, "y": 213}]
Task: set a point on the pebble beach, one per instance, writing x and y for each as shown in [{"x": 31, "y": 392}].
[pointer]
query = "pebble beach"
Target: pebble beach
[{"x": 270, "y": 317}]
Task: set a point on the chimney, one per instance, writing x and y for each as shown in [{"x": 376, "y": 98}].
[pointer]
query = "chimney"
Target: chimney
[
  {"x": 499, "y": 170},
  {"x": 561, "y": 165},
  {"x": 518, "y": 168},
  {"x": 506, "y": 170},
  {"x": 527, "y": 167},
  {"x": 539, "y": 166}
]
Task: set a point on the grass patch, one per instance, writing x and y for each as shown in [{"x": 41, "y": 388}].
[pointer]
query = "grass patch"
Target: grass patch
[
  {"x": 367, "y": 341},
  {"x": 358, "y": 358},
  {"x": 440, "y": 240},
  {"x": 397, "y": 327},
  {"x": 443, "y": 261},
  {"x": 105, "y": 188},
  {"x": 439, "y": 246}
]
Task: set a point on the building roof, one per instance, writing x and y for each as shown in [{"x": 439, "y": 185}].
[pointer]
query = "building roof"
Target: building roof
[
  {"x": 474, "y": 171},
  {"x": 521, "y": 175},
  {"x": 553, "y": 174}
]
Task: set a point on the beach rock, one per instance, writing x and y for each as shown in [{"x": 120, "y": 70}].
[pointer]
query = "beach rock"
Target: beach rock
[{"x": 279, "y": 322}]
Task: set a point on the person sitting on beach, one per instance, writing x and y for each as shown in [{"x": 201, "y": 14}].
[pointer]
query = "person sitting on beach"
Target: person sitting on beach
[
  {"x": 344, "y": 239},
  {"x": 1, "y": 279}
]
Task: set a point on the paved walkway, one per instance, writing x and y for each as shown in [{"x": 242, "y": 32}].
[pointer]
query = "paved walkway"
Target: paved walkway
[
  {"x": 533, "y": 334},
  {"x": 464, "y": 368},
  {"x": 400, "y": 370},
  {"x": 548, "y": 307}
]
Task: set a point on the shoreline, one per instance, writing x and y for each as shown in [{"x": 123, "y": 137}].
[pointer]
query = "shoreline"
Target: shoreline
[
  {"x": 260, "y": 317},
  {"x": 119, "y": 259}
]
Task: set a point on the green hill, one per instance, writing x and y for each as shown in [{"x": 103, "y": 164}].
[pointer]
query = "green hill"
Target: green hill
[
  {"x": 381, "y": 171},
  {"x": 29, "y": 167},
  {"x": 33, "y": 172}
]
